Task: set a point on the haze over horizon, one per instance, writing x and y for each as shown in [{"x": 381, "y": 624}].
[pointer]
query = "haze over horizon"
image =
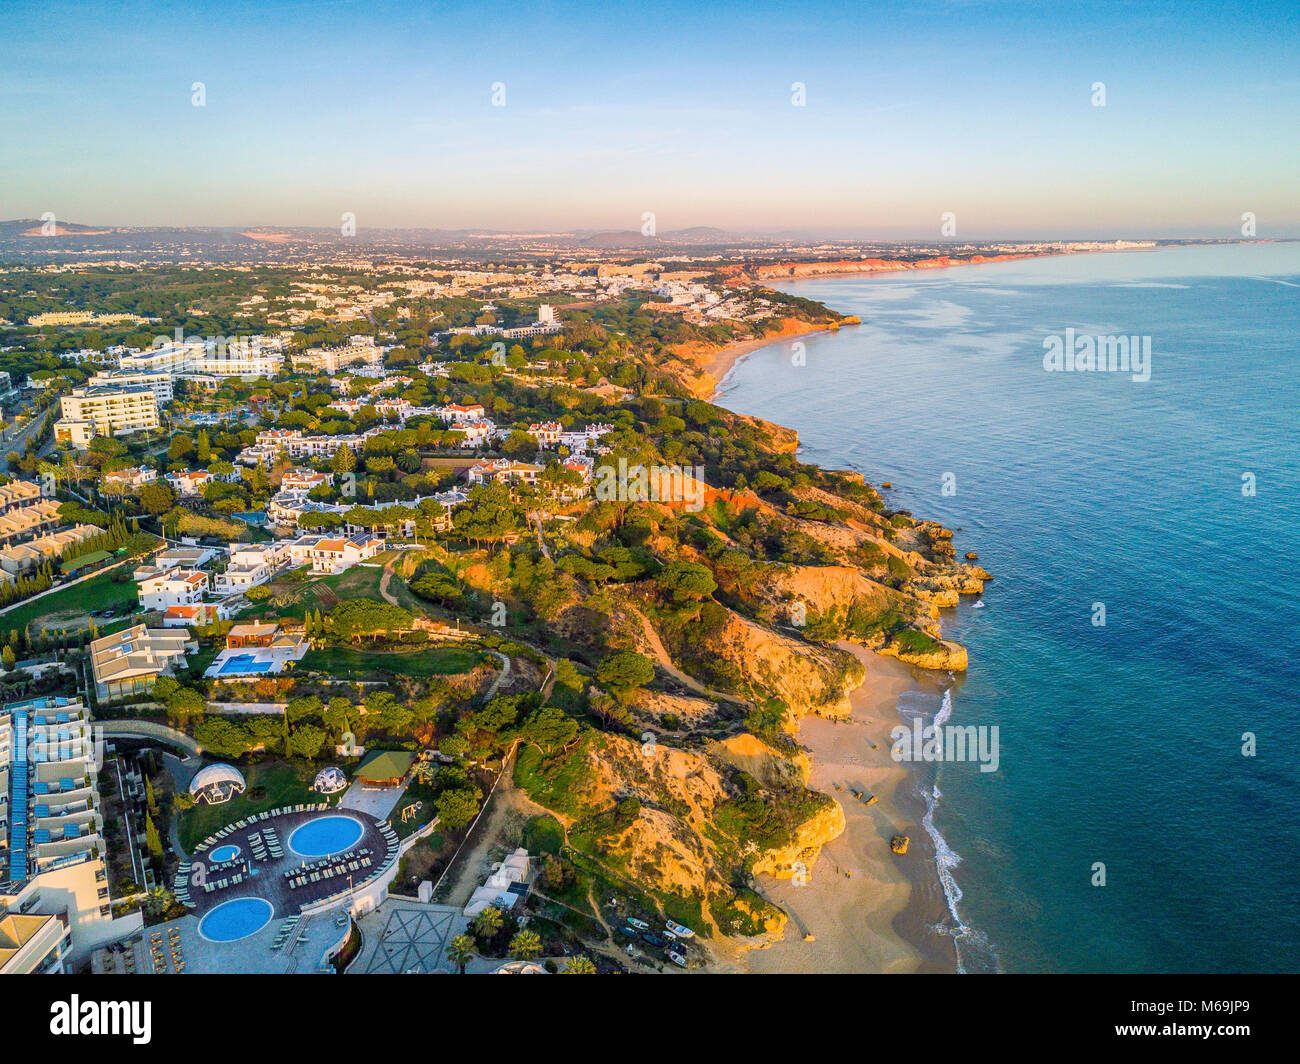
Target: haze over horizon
[{"x": 386, "y": 112}]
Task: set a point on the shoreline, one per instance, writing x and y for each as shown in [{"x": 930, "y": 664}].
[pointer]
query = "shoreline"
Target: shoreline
[
  {"x": 867, "y": 909},
  {"x": 721, "y": 364},
  {"x": 725, "y": 359}
]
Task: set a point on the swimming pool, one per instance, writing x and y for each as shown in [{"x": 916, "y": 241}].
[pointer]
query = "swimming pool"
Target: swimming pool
[
  {"x": 243, "y": 664},
  {"x": 325, "y": 835},
  {"x": 225, "y": 853},
  {"x": 236, "y": 919}
]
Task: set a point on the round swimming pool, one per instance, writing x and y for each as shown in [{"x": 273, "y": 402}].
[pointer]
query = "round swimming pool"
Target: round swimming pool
[
  {"x": 225, "y": 853},
  {"x": 325, "y": 835},
  {"x": 233, "y": 920}
]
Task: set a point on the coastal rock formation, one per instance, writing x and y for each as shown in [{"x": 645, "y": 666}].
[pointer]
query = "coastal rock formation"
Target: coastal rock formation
[
  {"x": 810, "y": 837},
  {"x": 683, "y": 824},
  {"x": 840, "y": 267},
  {"x": 807, "y": 678},
  {"x": 934, "y": 654},
  {"x": 772, "y": 768}
]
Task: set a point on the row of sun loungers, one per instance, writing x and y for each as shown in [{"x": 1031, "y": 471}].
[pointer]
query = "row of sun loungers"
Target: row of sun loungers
[
  {"x": 314, "y": 873},
  {"x": 173, "y": 947},
  {"x": 272, "y": 842},
  {"x": 285, "y": 932},
  {"x": 222, "y": 884}
]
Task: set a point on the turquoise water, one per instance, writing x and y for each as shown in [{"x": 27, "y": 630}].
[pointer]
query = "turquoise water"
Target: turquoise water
[
  {"x": 225, "y": 853},
  {"x": 1120, "y": 744},
  {"x": 233, "y": 920},
  {"x": 325, "y": 835}
]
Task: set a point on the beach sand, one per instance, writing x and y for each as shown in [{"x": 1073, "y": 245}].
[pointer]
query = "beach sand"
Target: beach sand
[
  {"x": 724, "y": 361},
  {"x": 879, "y": 917}
]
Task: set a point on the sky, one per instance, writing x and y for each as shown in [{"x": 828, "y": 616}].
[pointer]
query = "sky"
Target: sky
[{"x": 984, "y": 109}]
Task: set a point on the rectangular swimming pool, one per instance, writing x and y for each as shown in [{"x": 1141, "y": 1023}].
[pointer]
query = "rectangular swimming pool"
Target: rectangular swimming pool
[{"x": 243, "y": 665}]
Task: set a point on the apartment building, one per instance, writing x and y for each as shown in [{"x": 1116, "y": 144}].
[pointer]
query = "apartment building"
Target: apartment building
[
  {"x": 287, "y": 508},
  {"x": 27, "y": 521},
  {"x": 17, "y": 493},
  {"x": 504, "y": 470},
  {"x": 129, "y": 662},
  {"x": 248, "y": 359},
  {"x": 250, "y": 564},
  {"x": 360, "y": 350},
  {"x": 578, "y": 441},
  {"x": 160, "y": 382},
  {"x": 107, "y": 411},
  {"x": 455, "y": 413},
  {"x": 304, "y": 480},
  {"x": 546, "y": 433},
  {"x": 23, "y": 557},
  {"x": 334, "y": 554},
  {"x": 54, "y": 892},
  {"x": 175, "y": 587}
]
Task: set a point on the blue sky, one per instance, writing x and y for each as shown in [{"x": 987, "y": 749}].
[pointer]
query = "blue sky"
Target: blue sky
[{"x": 612, "y": 109}]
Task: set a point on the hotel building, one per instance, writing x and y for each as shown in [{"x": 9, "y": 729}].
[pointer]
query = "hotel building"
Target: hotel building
[
  {"x": 105, "y": 412},
  {"x": 54, "y": 896}
]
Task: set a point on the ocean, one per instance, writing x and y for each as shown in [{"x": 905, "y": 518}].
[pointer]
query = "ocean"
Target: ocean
[{"x": 1144, "y": 814}]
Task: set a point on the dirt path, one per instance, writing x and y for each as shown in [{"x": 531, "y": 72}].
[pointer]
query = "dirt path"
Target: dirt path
[
  {"x": 473, "y": 861},
  {"x": 666, "y": 663},
  {"x": 384, "y": 593}
]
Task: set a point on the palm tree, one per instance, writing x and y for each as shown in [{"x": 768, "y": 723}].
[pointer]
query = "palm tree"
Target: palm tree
[
  {"x": 578, "y": 966},
  {"x": 158, "y": 901},
  {"x": 461, "y": 951},
  {"x": 487, "y": 923},
  {"x": 526, "y": 945}
]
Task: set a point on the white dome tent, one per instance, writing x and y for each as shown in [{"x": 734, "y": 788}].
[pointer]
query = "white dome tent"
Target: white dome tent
[
  {"x": 329, "y": 780},
  {"x": 217, "y": 783}
]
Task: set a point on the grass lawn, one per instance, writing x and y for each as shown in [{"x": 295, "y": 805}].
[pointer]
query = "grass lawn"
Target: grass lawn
[
  {"x": 68, "y": 607},
  {"x": 427, "y": 660},
  {"x": 417, "y": 818},
  {"x": 293, "y": 597},
  {"x": 270, "y": 784},
  {"x": 544, "y": 835}
]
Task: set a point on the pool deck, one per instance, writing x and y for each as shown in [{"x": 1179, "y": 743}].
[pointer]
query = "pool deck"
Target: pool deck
[
  {"x": 267, "y": 878},
  {"x": 303, "y": 954}
]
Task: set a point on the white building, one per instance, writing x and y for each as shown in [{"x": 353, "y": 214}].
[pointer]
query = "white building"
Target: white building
[
  {"x": 176, "y": 587},
  {"x": 248, "y": 359},
  {"x": 52, "y": 825},
  {"x": 161, "y": 383},
  {"x": 250, "y": 564},
  {"x": 334, "y": 554},
  {"x": 105, "y": 412}
]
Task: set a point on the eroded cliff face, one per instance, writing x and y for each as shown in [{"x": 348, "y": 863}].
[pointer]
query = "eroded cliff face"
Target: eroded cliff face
[
  {"x": 698, "y": 823},
  {"x": 812, "y": 834},
  {"x": 772, "y": 768},
  {"x": 767, "y": 663}
]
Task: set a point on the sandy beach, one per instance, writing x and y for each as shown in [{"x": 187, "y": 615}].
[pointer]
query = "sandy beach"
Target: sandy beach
[
  {"x": 722, "y": 362},
  {"x": 866, "y": 909}
]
